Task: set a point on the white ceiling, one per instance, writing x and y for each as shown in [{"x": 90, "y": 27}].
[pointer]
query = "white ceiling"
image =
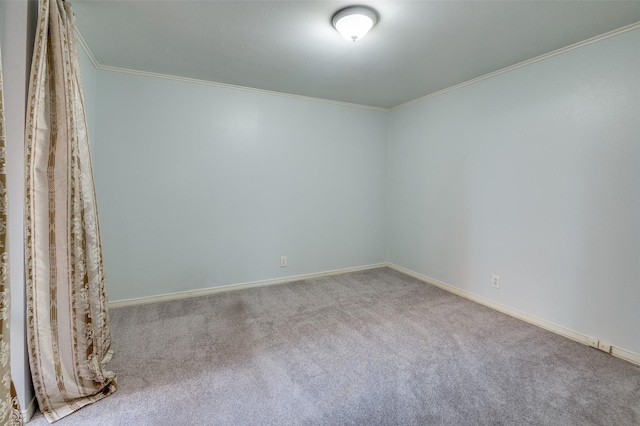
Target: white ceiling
[{"x": 417, "y": 47}]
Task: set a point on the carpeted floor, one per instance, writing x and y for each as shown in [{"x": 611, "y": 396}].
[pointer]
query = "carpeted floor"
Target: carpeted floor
[{"x": 367, "y": 348}]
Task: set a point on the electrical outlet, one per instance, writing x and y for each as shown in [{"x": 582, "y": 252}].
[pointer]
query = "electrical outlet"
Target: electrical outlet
[
  {"x": 283, "y": 261},
  {"x": 496, "y": 281}
]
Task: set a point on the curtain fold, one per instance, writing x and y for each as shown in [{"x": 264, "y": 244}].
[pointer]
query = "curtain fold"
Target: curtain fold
[
  {"x": 9, "y": 407},
  {"x": 67, "y": 318}
]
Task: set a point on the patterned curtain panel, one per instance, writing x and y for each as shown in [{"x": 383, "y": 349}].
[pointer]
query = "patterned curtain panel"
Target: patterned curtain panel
[
  {"x": 9, "y": 408},
  {"x": 67, "y": 319}
]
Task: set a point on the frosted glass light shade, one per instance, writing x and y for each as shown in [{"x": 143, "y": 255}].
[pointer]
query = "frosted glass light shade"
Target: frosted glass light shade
[{"x": 354, "y": 22}]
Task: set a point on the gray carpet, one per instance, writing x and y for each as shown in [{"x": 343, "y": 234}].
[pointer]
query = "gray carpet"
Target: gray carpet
[{"x": 366, "y": 348}]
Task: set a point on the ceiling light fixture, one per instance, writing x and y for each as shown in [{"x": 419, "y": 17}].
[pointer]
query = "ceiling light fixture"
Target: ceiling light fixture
[{"x": 354, "y": 22}]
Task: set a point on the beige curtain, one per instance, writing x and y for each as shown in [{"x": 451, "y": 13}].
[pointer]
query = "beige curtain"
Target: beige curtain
[
  {"x": 67, "y": 320},
  {"x": 9, "y": 407}
]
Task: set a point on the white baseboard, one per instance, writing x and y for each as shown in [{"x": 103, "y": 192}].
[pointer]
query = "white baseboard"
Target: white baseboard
[
  {"x": 28, "y": 412},
  {"x": 562, "y": 331},
  {"x": 632, "y": 357},
  {"x": 232, "y": 287}
]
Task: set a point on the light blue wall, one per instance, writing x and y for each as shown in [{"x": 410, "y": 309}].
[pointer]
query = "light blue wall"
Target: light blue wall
[
  {"x": 201, "y": 186},
  {"x": 533, "y": 175}
]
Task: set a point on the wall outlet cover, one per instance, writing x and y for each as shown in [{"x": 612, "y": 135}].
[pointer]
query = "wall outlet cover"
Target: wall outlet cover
[{"x": 495, "y": 283}]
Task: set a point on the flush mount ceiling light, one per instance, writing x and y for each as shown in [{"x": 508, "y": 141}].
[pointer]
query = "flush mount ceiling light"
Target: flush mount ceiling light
[{"x": 354, "y": 22}]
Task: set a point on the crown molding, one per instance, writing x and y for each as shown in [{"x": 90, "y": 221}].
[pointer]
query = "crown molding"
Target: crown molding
[
  {"x": 87, "y": 49},
  {"x": 234, "y": 87},
  {"x": 522, "y": 64},
  {"x": 97, "y": 66},
  {"x": 578, "y": 45}
]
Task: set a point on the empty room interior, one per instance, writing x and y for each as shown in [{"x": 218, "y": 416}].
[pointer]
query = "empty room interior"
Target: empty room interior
[{"x": 436, "y": 222}]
